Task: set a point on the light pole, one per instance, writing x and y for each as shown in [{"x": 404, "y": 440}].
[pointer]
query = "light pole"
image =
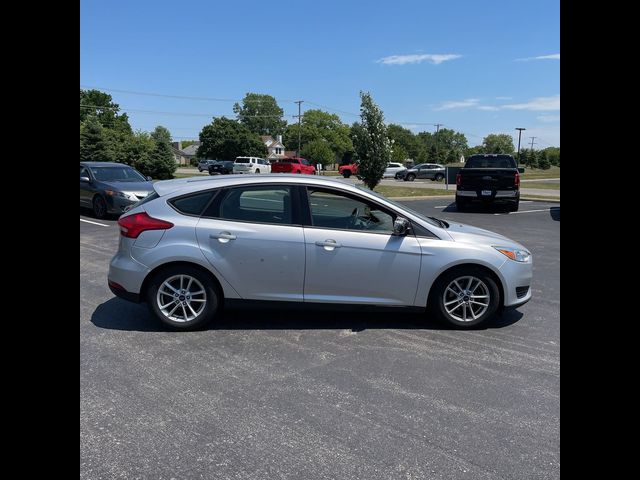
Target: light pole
[{"x": 519, "y": 135}]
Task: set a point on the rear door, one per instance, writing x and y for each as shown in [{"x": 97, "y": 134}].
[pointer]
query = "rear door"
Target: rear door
[{"x": 251, "y": 235}]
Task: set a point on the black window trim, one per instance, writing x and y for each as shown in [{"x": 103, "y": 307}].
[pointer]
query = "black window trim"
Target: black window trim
[{"x": 215, "y": 191}]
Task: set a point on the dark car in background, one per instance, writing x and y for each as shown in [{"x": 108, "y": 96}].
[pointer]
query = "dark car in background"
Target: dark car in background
[
  {"x": 203, "y": 165},
  {"x": 221, "y": 167},
  {"x": 431, "y": 171},
  {"x": 488, "y": 178},
  {"x": 109, "y": 187}
]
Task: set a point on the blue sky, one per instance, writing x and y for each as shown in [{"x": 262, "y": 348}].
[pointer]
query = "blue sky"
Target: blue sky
[{"x": 476, "y": 66}]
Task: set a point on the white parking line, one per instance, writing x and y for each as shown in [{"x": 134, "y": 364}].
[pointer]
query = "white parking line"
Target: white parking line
[
  {"x": 94, "y": 223},
  {"x": 525, "y": 211},
  {"x": 441, "y": 206}
]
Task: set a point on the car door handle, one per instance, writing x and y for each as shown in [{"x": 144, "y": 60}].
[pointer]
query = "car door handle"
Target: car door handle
[
  {"x": 223, "y": 237},
  {"x": 328, "y": 245}
]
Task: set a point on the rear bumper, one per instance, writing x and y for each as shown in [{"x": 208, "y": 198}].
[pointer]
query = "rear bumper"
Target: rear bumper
[
  {"x": 495, "y": 195},
  {"x": 127, "y": 274},
  {"x": 118, "y": 291}
]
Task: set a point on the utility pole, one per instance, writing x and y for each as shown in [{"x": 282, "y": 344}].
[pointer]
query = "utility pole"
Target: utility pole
[
  {"x": 532, "y": 139},
  {"x": 299, "y": 102},
  {"x": 519, "y": 135},
  {"x": 438, "y": 125}
]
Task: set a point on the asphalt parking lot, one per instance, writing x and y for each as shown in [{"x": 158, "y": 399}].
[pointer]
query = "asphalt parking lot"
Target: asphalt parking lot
[{"x": 293, "y": 394}]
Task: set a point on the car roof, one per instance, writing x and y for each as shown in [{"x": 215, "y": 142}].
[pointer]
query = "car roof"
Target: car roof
[
  {"x": 194, "y": 184},
  {"x": 104, "y": 164}
]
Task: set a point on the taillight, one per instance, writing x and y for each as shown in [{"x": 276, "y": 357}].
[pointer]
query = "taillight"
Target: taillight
[
  {"x": 458, "y": 179},
  {"x": 133, "y": 225},
  {"x": 517, "y": 180}
]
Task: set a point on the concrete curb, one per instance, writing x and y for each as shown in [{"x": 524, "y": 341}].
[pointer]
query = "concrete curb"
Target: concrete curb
[{"x": 551, "y": 200}]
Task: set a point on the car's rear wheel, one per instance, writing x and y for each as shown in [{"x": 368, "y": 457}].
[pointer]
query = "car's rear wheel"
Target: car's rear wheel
[
  {"x": 438, "y": 177},
  {"x": 464, "y": 297},
  {"x": 346, "y": 173},
  {"x": 99, "y": 207},
  {"x": 410, "y": 177},
  {"x": 183, "y": 297}
]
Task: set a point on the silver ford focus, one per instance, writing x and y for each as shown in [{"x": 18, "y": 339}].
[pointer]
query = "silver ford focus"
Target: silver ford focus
[{"x": 197, "y": 244}]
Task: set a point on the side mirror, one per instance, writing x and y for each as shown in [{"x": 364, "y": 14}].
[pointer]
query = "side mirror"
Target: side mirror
[
  {"x": 149, "y": 178},
  {"x": 85, "y": 179},
  {"x": 401, "y": 226}
]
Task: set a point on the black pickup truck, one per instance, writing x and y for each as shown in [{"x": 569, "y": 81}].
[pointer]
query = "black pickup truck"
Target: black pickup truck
[{"x": 488, "y": 178}]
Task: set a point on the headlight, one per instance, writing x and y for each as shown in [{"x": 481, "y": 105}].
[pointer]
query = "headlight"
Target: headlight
[
  {"x": 515, "y": 254},
  {"x": 115, "y": 193}
]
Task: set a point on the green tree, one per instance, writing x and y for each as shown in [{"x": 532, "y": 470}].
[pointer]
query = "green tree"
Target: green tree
[
  {"x": 137, "y": 150},
  {"x": 398, "y": 153},
  {"x": 543, "y": 161},
  {"x": 478, "y": 149},
  {"x": 498, "y": 143},
  {"x": 160, "y": 163},
  {"x": 94, "y": 103},
  {"x": 227, "y": 139},
  {"x": 320, "y": 125},
  {"x": 260, "y": 114},
  {"x": 318, "y": 151},
  {"x": 371, "y": 142},
  {"x": 404, "y": 141},
  {"x": 92, "y": 143},
  {"x": 553, "y": 155}
]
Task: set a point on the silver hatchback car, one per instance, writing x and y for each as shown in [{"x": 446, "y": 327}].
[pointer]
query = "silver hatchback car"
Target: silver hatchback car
[{"x": 199, "y": 243}]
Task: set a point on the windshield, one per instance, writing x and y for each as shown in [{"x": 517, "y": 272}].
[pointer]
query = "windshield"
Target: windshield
[
  {"x": 117, "y": 174},
  {"x": 400, "y": 205},
  {"x": 499, "y": 161}
]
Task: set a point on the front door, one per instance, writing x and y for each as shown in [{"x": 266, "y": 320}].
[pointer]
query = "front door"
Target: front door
[
  {"x": 249, "y": 236},
  {"x": 352, "y": 255}
]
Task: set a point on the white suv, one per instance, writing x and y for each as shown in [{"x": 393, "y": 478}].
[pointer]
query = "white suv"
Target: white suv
[
  {"x": 251, "y": 165},
  {"x": 392, "y": 169}
]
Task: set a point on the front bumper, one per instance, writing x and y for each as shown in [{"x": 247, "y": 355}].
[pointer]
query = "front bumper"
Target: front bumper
[
  {"x": 516, "y": 275},
  {"x": 119, "y": 205}
]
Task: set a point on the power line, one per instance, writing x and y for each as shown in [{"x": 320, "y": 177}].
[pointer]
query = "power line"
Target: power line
[
  {"x": 126, "y": 109},
  {"x": 182, "y": 97}
]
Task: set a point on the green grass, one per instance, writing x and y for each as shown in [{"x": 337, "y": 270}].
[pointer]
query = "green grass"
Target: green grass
[
  {"x": 389, "y": 191},
  {"x": 543, "y": 185},
  {"x": 533, "y": 173}
]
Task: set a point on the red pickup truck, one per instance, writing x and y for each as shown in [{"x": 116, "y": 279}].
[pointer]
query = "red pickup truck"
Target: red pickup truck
[
  {"x": 347, "y": 170},
  {"x": 293, "y": 165}
]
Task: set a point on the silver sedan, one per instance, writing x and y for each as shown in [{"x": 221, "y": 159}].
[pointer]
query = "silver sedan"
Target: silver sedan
[{"x": 199, "y": 243}]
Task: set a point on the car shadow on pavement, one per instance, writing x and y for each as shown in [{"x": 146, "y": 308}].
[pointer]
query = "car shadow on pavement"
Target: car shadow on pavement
[
  {"x": 118, "y": 314},
  {"x": 478, "y": 208},
  {"x": 555, "y": 213}
]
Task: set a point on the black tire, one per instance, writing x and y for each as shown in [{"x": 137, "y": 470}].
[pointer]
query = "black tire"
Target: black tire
[
  {"x": 346, "y": 173},
  {"x": 460, "y": 204},
  {"x": 213, "y": 297},
  {"x": 99, "y": 207},
  {"x": 513, "y": 206},
  {"x": 257, "y": 170},
  {"x": 436, "y": 305},
  {"x": 439, "y": 177},
  {"x": 410, "y": 177}
]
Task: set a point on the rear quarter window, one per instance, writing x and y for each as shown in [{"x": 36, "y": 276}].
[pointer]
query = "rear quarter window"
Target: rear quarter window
[{"x": 192, "y": 204}]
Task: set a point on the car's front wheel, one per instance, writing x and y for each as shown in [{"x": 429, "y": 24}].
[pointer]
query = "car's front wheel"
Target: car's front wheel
[
  {"x": 346, "y": 173},
  {"x": 464, "y": 297},
  {"x": 99, "y": 207},
  {"x": 183, "y": 297}
]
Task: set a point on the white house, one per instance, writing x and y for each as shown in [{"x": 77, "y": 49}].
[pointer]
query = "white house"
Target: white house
[{"x": 275, "y": 147}]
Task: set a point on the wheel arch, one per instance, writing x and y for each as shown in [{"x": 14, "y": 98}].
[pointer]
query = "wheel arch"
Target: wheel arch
[
  {"x": 495, "y": 276},
  {"x": 205, "y": 271}
]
